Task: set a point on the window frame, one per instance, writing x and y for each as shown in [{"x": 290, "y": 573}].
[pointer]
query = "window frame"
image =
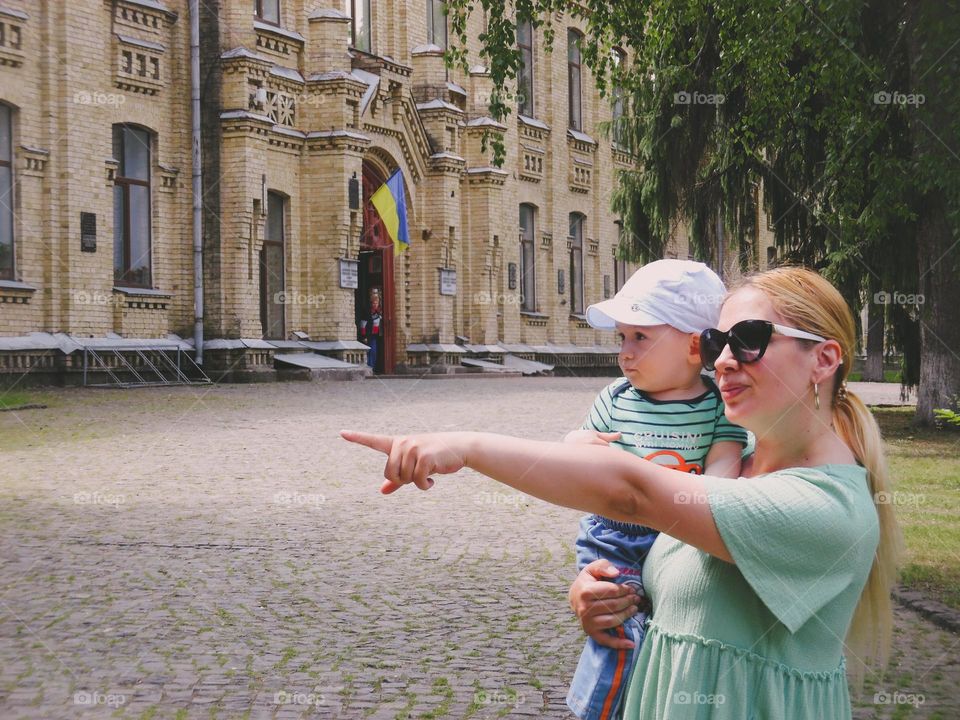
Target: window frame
[
  {"x": 433, "y": 7},
  {"x": 528, "y": 301},
  {"x": 526, "y": 107},
  {"x": 368, "y": 14},
  {"x": 280, "y": 244},
  {"x": 619, "y": 264},
  {"x": 574, "y": 100},
  {"x": 619, "y": 103},
  {"x": 8, "y": 111},
  {"x": 577, "y": 304},
  {"x": 125, "y": 183},
  {"x": 258, "y": 11}
]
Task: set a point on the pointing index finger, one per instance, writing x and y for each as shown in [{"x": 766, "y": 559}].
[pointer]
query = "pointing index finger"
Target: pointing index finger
[{"x": 383, "y": 443}]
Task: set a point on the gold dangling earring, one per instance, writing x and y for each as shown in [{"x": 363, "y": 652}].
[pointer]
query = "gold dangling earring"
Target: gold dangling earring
[{"x": 816, "y": 394}]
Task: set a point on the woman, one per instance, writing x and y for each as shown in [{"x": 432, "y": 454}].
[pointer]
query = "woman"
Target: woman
[{"x": 758, "y": 584}]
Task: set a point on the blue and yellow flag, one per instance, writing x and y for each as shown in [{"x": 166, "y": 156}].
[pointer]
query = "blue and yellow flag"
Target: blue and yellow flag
[{"x": 390, "y": 202}]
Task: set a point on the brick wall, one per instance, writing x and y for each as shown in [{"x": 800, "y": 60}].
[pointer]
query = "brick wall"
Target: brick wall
[{"x": 281, "y": 112}]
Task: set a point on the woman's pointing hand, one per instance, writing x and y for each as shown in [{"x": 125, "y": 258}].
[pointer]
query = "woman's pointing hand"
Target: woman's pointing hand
[{"x": 413, "y": 458}]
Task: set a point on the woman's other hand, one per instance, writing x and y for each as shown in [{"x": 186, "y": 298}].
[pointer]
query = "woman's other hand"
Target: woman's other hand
[{"x": 601, "y": 605}]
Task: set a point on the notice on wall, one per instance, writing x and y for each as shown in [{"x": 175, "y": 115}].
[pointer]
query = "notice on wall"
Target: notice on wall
[
  {"x": 448, "y": 281},
  {"x": 349, "y": 273}
]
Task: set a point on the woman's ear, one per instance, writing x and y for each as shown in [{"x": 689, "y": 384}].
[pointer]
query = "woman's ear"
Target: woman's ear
[{"x": 829, "y": 357}]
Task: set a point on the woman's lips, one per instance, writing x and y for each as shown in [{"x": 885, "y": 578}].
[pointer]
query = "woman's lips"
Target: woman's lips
[{"x": 731, "y": 391}]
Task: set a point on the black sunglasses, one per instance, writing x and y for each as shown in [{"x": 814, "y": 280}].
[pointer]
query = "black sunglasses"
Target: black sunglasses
[{"x": 748, "y": 340}]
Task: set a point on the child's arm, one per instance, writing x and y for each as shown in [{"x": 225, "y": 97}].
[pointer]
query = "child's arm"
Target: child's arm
[{"x": 723, "y": 459}]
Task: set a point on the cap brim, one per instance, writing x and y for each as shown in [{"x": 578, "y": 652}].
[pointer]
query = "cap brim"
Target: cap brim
[{"x": 605, "y": 315}]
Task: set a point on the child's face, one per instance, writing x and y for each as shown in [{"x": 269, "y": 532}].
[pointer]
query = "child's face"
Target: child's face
[{"x": 658, "y": 358}]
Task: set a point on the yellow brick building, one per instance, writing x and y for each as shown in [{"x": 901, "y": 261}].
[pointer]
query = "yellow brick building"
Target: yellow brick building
[{"x": 307, "y": 107}]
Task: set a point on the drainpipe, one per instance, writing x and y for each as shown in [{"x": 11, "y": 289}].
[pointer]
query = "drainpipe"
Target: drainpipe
[{"x": 197, "y": 182}]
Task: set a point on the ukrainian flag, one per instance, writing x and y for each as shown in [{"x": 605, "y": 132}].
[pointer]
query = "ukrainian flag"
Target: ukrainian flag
[{"x": 391, "y": 204}]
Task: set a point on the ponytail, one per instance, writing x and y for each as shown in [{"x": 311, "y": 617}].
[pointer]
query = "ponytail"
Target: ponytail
[
  {"x": 811, "y": 303},
  {"x": 871, "y": 630}
]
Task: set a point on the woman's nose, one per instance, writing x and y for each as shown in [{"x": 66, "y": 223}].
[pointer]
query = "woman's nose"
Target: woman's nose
[{"x": 726, "y": 360}]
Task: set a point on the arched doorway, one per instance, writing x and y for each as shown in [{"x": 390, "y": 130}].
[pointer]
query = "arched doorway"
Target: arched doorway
[{"x": 376, "y": 270}]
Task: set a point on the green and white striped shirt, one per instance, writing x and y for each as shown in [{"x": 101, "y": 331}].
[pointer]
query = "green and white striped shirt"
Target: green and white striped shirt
[{"x": 673, "y": 433}]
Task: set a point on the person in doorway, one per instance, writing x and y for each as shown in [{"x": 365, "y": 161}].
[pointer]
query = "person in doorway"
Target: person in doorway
[{"x": 370, "y": 327}]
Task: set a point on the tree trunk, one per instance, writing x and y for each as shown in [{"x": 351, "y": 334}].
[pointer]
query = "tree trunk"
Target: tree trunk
[
  {"x": 934, "y": 27},
  {"x": 939, "y": 326},
  {"x": 873, "y": 368}
]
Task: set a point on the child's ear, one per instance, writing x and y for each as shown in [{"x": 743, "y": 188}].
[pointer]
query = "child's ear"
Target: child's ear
[{"x": 693, "y": 349}]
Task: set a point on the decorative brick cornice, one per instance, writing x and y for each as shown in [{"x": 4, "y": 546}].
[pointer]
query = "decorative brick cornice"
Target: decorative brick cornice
[
  {"x": 35, "y": 160},
  {"x": 486, "y": 176},
  {"x": 377, "y": 64},
  {"x": 242, "y": 122},
  {"x": 339, "y": 140},
  {"x": 13, "y": 23},
  {"x": 445, "y": 162}
]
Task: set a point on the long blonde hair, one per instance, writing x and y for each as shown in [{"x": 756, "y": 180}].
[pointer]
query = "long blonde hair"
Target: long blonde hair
[{"x": 809, "y": 302}]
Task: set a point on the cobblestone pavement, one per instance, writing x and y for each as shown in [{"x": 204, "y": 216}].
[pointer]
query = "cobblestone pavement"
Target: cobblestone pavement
[{"x": 220, "y": 553}]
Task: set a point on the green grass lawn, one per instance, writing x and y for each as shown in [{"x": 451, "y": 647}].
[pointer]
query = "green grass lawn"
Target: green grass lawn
[
  {"x": 890, "y": 376},
  {"x": 14, "y": 399},
  {"x": 925, "y": 468}
]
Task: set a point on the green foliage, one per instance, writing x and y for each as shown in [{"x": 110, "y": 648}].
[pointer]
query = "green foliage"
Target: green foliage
[
  {"x": 819, "y": 106},
  {"x": 947, "y": 416}
]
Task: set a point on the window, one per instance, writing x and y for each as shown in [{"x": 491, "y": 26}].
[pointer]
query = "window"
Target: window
[
  {"x": 573, "y": 79},
  {"x": 272, "y": 295},
  {"x": 267, "y": 10},
  {"x": 619, "y": 135},
  {"x": 360, "y": 36},
  {"x": 131, "y": 207},
  {"x": 6, "y": 194},
  {"x": 619, "y": 265},
  {"x": 576, "y": 263},
  {"x": 528, "y": 269},
  {"x": 436, "y": 23},
  {"x": 525, "y": 76}
]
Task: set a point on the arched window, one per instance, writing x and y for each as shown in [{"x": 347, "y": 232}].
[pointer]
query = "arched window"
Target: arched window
[
  {"x": 131, "y": 206},
  {"x": 525, "y": 75},
  {"x": 7, "y": 264},
  {"x": 574, "y": 79},
  {"x": 436, "y": 23},
  {"x": 528, "y": 257},
  {"x": 576, "y": 263},
  {"x": 360, "y": 24}
]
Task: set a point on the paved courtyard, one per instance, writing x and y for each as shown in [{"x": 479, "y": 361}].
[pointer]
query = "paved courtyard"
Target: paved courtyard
[{"x": 221, "y": 553}]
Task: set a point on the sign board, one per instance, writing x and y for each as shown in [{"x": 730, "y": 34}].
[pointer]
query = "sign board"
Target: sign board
[
  {"x": 349, "y": 273},
  {"x": 448, "y": 281}
]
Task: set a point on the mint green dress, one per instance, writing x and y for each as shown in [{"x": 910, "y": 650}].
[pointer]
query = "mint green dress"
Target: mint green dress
[{"x": 761, "y": 639}]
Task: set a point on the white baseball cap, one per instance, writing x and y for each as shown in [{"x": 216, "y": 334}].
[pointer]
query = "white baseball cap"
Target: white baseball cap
[{"x": 683, "y": 294}]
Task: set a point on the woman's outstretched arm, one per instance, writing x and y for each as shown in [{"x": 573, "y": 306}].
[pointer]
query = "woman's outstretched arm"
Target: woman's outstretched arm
[{"x": 591, "y": 478}]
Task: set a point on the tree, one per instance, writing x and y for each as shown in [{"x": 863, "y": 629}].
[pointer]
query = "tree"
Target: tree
[{"x": 845, "y": 112}]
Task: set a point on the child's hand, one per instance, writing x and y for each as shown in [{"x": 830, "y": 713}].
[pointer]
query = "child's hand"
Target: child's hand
[
  {"x": 591, "y": 437},
  {"x": 413, "y": 458}
]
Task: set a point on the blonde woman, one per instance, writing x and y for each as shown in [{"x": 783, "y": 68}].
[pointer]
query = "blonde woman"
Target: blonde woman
[{"x": 760, "y": 585}]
